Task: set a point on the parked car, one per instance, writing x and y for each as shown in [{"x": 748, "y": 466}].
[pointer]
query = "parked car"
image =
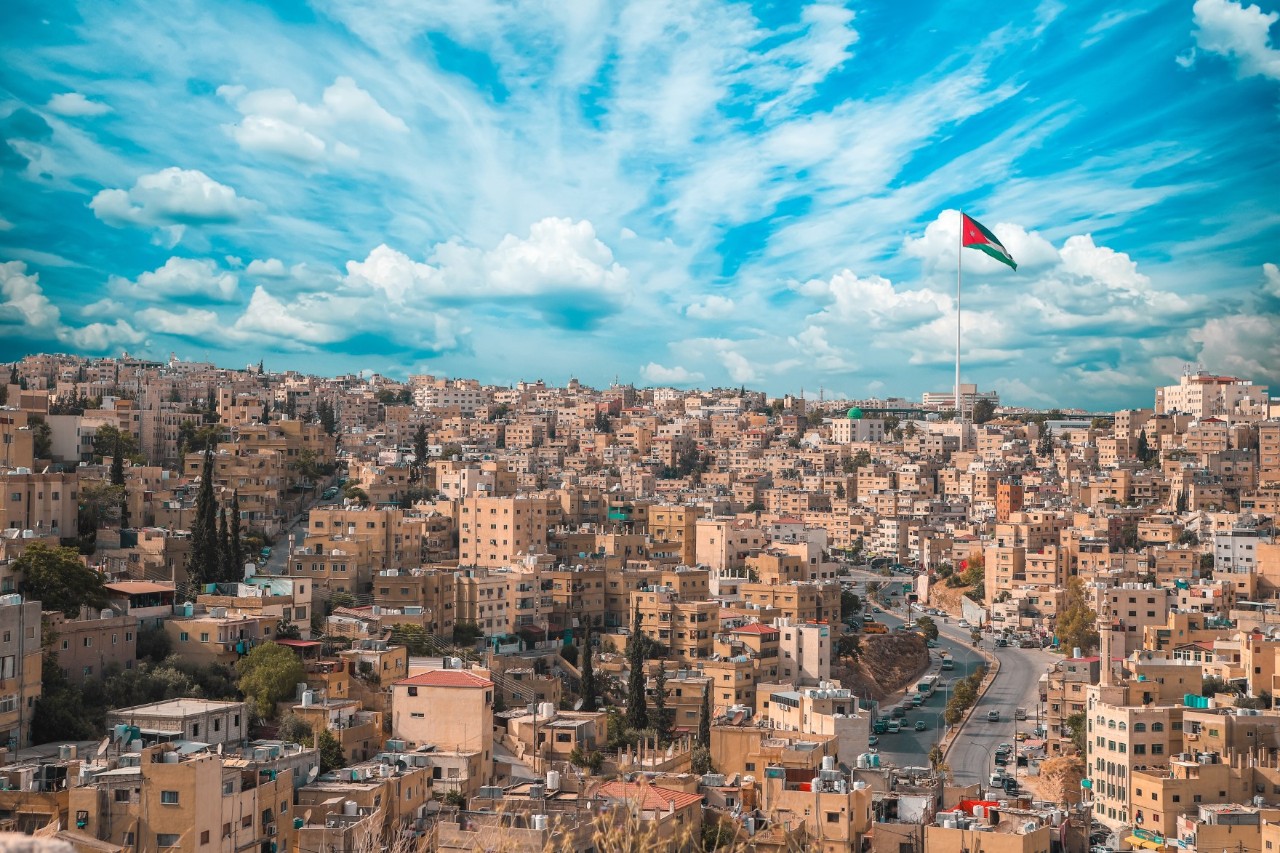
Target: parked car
[
  {"x": 993, "y": 716},
  {"x": 894, "y": 727},
  {"x": 873, "y": 740},
  {"x": 963, "y": 623}
]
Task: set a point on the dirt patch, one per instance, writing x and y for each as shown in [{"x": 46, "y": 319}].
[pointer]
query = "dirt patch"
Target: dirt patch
[
  {"x": 888, "y": 663},
  {"x": 1059, "y": 779},
  {"x": 947, "y": 597}
]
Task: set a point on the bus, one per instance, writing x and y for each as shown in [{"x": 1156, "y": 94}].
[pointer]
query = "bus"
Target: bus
[
  {"x": 948, "y": 663},
  {"x": 927, "y": 685}
]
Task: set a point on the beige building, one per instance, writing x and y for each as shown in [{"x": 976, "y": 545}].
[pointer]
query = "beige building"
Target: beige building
[
  {"x": 200, "y": 720},
  {"x": 88, "y": 645},
  {"x": 450, "y": 709},
  {"x": 20, "y": 663},
  {"x": 494, "y": 532}
]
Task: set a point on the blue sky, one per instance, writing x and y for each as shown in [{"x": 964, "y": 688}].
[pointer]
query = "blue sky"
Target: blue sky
[{"x": 673, "y": 192}]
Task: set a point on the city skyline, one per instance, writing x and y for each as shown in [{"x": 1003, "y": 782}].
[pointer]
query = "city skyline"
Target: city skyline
[{"x": 706, "y": 195}]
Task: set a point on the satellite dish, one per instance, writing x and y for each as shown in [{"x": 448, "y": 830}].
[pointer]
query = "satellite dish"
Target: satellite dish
[
  {"x": 306, "y": 816},
  {"x": 102, "y": 747},
  {"x": 311, "y": 777},
  {"x": 219, "y": 749},
  {"x": 577, "y": 706}
]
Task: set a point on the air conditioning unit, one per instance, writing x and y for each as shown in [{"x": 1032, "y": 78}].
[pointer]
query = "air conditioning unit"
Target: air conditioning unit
[
  {"x": 271, "y": 829},
  {"x": 1193, "y": 736}
]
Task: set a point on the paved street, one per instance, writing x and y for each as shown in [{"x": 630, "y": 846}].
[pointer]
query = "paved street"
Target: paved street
[{"x": 1016, "y": 686}]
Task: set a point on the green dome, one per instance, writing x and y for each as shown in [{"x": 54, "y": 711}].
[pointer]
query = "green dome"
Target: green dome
[{"x": 855, "y": 413}]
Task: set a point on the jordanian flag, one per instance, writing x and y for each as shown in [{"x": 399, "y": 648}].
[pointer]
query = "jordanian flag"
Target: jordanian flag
[{"x": 973, "y": 235}]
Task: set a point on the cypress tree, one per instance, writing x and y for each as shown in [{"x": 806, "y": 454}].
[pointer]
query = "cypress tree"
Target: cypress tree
[
  {"x": 117, "y": 479},
  {"x": 589, "y": 688},
  {"x": 226, "y": 567},
  {"x": 1144, "y": 449},
  {"x": 202, "y": 564},
  {"x": 661, "y": 719},
  {"x": 637, "y": 710},
  {"x": 704, "y": 721},
  {"x": 237, "y": 544}
]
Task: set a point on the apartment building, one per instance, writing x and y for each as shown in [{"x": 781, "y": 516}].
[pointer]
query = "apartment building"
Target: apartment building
[
  {"x": 20, "y": 669},
  {"x": 91, "y": 643},
  {"x": 496, "y": 531}
]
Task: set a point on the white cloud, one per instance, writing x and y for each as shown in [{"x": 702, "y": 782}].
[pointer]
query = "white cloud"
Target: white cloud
[
  {"x": 872, "y": 302},
  {"x": 940, "y": 244},
  {"x": 713, "y": 307},
  {"x": 101, "y": 337},
  {"x": 1238, "y": 32},
  {"x": 1246, "y": 345},
  {"x": 25, "y": 308},
  {"x": 275, "y": 121},
  {"x": 269, "y": 268},
  {"x": 1271, "y": 274},
  {"x": 180, "y": 278},
  {"x": 172, "y": 199},
  {"x": 192, "y": 323},
  {"x": 1082, "y": 257},
  {"x": 560, "y": 258},
  {"x": 656, "y": 374},
  {"x": 268, "y": 317},
  {"x": 74, "y": 104},
  {"x": 5, "y": 225}
]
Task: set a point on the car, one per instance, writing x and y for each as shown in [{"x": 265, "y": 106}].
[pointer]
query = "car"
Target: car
[
  {"x": 997, "y": 779},
  {"x": 894, "y": 727},
  {"x": 963, "y": 623},
  {"x": 933, "y": 644},
  {"x": 1002, "y": 761},
  {"x": 993, "y": 716},
  {"x": 920, "y": 725},
  {"x": 1004, "y": 749},
  {"x": 873, "y": 740},
  {"x": 875, "y": 609},
  {"x": 1002, "y": 643},
  {"x": 879, "y": 727},
  {"x": 899, "y": 711}
]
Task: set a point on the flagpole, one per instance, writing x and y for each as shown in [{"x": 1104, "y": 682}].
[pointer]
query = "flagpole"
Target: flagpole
[{"x": 959, "y": 256}]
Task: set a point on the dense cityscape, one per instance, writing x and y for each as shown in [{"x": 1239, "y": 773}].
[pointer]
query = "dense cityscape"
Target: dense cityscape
[{"x": 436, "y": 614}]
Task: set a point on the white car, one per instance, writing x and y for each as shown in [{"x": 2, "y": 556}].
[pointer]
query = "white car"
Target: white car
[{"x": 963, "y": 623}]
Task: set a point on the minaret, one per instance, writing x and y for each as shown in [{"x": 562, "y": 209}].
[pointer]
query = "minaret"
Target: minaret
[{"x": 1104, "y": 640}]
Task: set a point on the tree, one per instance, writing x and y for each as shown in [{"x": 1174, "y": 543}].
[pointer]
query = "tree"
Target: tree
[
  {"x": 226, "y": 562},
  {"x": 661, "y": 716},
  {"x": 1044, "y": 445},
  {"x": 1077, "y": 622},
  {"x": 976, "y": 636},
  {"x": 154, "y": 644},
  {"x": 1213, "y": 685},
  {"x": 983, "y": 411},
  {"x": 328, "y": 417},
  {"x": 590, "y": 690},
  {"x": 294, "y": 729},
  {"x": 704, "y": 718},
  {"x": 57, "y": 578},
  {"x": 109, "y": 441},
  {"x": 41, "y": 437},
  {"x": 850, "y": 604},
  {"x": 1144, "y": 448},
  {"x": 1076, "y": 723},
  {"x": 117, "y": 479},
  {"x": 637, "y": 710},
  {"x": 331, "y": 757},
  {"x": 202, "y": 562},
  {"x": 928, "y": 627},
  {"x": 420, "y": 450},
  {"x": 1180, "y": 507},
  {"x": 237, "y": 544},
  {"x": 99, "y": 505},
  {"x": 269, "y": 674}
]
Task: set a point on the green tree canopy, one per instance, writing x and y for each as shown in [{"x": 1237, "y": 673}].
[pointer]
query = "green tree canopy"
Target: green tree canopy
[
  {"x": 331, "y": 757},
  {"x": 58, "y": 579},
  {"x": 1077, "y": 622},
  {"x": 928, "y": 627},
  {"x": 269, "y": 674}
]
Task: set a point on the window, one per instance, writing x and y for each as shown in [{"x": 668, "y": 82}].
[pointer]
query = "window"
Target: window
[
  {"x": 204, "y": 837},
  {"x": 168, "y": 839},
  {"x": 751, "y": 767},
  {"x": 183, "y": 636},
  {"x": 833, "y": 817},
  {"x": 128, "y": 839},
  {"x": 169, "y": 798}
]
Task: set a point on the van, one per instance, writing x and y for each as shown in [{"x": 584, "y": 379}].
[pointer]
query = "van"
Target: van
[
  {"x": 894, "y": 727},
  {"x": 1020, "y": 714}
]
